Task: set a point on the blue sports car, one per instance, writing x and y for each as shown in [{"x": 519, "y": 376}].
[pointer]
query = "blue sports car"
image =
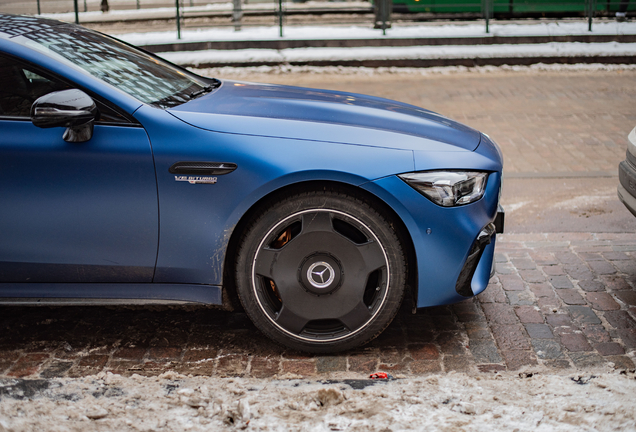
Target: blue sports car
[{"x": 128, "y": 180}]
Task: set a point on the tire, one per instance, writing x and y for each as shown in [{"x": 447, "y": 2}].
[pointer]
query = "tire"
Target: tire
[{"x": 320, "y": 271}]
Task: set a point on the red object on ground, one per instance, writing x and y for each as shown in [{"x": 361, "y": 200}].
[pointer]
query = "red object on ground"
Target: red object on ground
[{"x": 379, "y": 375}]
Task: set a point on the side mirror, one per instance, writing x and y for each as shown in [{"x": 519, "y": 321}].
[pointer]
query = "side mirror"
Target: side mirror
[{"x": 72, "y": 109}]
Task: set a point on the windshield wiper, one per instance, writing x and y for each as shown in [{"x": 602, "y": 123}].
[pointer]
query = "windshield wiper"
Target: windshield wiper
[{"x": 206, "y": 89}]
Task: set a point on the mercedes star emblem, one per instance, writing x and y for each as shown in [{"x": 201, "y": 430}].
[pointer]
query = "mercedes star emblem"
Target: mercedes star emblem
[{"x": 320, "y": 274}]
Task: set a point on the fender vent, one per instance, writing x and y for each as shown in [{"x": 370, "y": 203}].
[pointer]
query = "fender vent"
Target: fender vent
[{"x": 202, "y": 168}]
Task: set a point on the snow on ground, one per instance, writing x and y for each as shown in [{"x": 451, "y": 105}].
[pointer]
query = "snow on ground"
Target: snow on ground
[
  {"x": 428, "y": 30},
  {"x": 236, "y": 72},
  {"x": 603, "y": 401},
  {"x": 397, "y": 32},
  {"x": 552, "y": 49}
]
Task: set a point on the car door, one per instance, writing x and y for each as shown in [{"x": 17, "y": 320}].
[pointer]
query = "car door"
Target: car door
[{"x": 72, "y": 212}]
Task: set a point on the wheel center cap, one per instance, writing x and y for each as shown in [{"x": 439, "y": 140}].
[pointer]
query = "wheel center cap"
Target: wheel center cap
[{"x": 320, "y": 274}]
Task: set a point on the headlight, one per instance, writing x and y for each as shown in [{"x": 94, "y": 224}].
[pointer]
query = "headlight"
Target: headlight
[{"x": 448, "y": 188}]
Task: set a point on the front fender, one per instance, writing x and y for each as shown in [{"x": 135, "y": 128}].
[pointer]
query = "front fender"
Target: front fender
[
  {"x": 442, "y": 236},
  {"x": 197, "y": 220}
]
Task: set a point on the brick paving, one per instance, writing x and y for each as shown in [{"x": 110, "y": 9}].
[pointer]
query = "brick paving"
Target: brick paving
[{"x": 557, "y": 301}]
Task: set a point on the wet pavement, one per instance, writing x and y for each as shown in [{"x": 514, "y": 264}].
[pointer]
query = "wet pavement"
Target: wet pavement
[{"x": 563, "y": 296}]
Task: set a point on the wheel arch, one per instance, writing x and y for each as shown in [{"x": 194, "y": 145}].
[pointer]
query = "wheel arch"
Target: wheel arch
[{"x": 230, "y": 297}]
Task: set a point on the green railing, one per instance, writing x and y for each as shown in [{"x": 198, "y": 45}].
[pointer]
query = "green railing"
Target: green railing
[{"x": 486, "y": 9}]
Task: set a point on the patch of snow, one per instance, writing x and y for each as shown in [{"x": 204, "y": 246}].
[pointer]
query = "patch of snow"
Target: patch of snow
[
  {"x": 552, "y": 49},
  {"x": 470, "y": 30},
  {"x": 452, "y": 401},
  {"x": 586, "y": 201},
  {"x": 229, "y": 71},
  {"x": 515, "y": 206}
]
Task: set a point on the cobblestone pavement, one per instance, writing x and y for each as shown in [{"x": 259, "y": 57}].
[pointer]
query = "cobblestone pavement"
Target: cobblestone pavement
[{"x": 558, "y": 301}]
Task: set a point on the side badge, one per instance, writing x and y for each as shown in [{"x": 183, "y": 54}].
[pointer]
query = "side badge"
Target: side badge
[{"x": 195, "y": 179}]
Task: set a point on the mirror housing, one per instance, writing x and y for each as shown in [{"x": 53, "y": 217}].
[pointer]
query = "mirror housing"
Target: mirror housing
[{"x": 72, "y": 109}]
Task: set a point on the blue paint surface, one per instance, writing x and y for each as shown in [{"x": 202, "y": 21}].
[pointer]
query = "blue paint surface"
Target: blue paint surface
[{"x": 90, "y": 219}]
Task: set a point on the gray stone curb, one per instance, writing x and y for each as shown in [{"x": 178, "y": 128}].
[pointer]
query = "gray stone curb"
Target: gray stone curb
[
  {"x": 280, "y": 44},
  {"x": 427, "y": 63}
]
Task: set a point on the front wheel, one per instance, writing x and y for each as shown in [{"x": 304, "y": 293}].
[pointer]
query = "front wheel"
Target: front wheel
[{"x": 320, "y": 272}]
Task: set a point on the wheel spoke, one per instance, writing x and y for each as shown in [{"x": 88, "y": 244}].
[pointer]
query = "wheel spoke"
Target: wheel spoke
[
  {"x": 291, "y": 293},
  {"x": 265, "y": 262},
  {"x": 317, "y": 221},
  {"x": 372, "y": 255},
  {"x": 356, "y": 317},
  {"x": 290, "y": 321}
]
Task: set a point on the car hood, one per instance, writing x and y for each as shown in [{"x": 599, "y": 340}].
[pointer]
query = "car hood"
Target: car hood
[{"x": 324, "y": 115}]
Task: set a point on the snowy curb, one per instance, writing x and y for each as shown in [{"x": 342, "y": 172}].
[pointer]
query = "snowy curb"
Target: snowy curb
[
  {"x": 422, "y": 56},
  {"x": 449, "y": 70},
  {"x": 312, "y": 33}
]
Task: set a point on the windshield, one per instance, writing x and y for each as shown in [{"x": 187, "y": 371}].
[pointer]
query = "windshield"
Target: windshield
[{"x": 141, "y": 75}]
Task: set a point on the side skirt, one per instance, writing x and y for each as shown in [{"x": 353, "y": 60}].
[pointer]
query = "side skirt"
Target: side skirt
[{"x": 46, "y": 294}]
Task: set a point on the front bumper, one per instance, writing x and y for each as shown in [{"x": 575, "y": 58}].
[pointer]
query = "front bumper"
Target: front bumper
[
  {"x": 443, "y": 239},
  {"x": 627, "y": 182},
  {"x": 627, "y": 199}
]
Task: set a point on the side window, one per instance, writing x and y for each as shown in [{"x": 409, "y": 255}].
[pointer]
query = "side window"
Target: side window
[{"x": 21, "y": 85}]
